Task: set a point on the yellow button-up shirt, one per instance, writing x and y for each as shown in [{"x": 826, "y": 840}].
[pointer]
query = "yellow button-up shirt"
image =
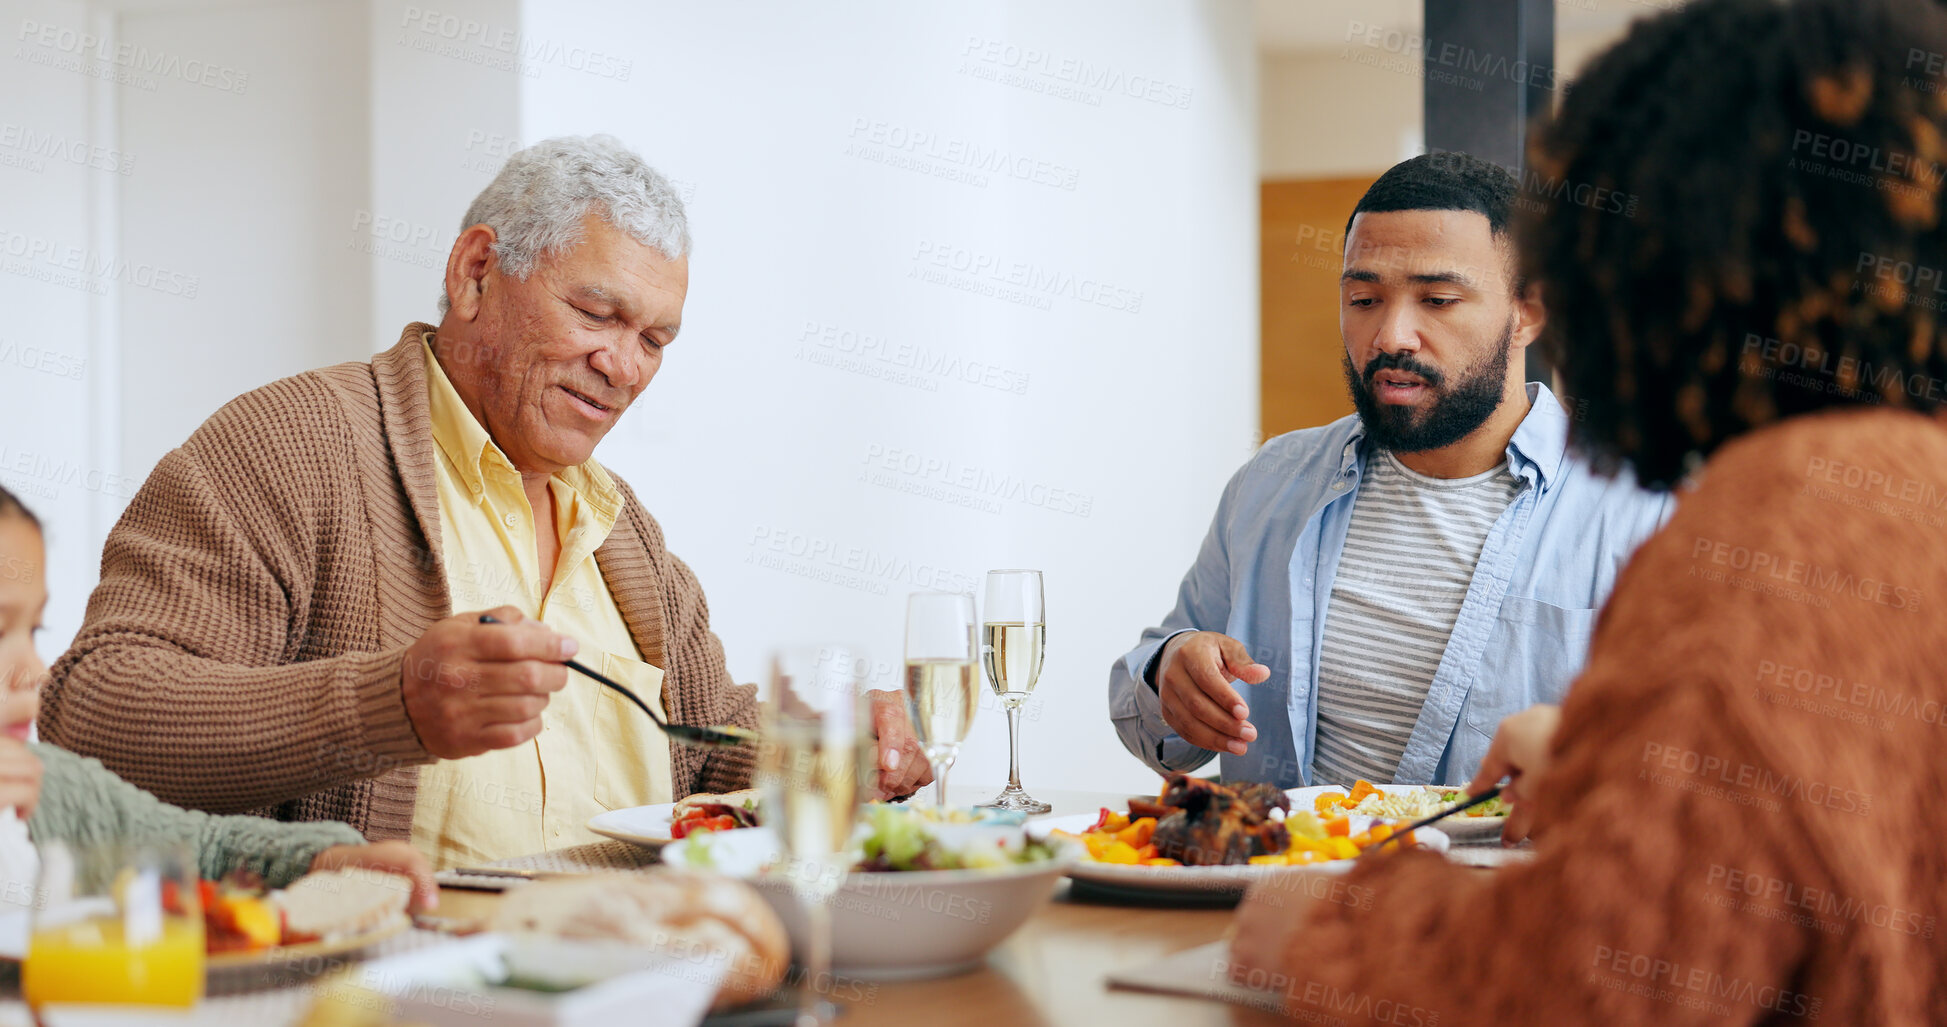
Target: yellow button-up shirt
[{"x": 596, "y": 751}]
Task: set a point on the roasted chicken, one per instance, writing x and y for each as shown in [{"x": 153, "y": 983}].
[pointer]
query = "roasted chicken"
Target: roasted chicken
[{"x": 1204, "y": 823}]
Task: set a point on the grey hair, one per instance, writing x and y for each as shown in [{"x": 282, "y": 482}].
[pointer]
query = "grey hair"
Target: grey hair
[{"x": 536, "y": 203}]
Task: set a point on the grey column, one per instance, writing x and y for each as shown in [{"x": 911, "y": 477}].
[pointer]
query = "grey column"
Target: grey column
[{"x": 1490, "y": 67}]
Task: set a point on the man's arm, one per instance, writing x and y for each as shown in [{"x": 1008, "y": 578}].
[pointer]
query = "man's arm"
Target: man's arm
[
  {"x": 184, "y": 677},
  {"x": 1202, "y": 604}
]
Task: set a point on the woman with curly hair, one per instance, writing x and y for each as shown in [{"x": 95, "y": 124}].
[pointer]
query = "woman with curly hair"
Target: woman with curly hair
[{"x": 1736, "y": 806}]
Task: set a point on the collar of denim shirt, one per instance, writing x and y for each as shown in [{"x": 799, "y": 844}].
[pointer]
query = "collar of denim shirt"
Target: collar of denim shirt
[{"x": 1535, "y": 452}]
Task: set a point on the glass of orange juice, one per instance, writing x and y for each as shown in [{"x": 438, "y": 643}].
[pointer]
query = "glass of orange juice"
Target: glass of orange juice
[{"x": 115, "y": 924}]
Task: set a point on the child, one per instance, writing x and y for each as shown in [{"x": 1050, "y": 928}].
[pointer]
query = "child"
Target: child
[{"x": 73, "y": 799}]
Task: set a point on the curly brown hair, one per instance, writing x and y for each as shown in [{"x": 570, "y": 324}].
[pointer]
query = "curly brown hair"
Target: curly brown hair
[{"x": 1783, "y": 251}]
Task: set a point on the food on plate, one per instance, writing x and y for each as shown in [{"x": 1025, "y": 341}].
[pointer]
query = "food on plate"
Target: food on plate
[
  {"x": 1317, "y": 840},
  {"x": 239, "y": 921},
  {"x": 899, "y": 838},
  {"x": 1204, "y": 823},
  {"x": 239, "y": 917},
  {"x": 235, "y": 918},
  {"x": 1192, "y": 822},
  {"x": 706, "y": 812},
  {"x": 1196, "y": 822},
  {"x": 1405, "y": 802},
  {"x": 700, "y": 917}
]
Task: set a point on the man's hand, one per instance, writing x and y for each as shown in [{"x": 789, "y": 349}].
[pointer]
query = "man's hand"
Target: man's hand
[
  {"x": 903, "y": 767},
  {"x": 394, "y": 857},
  {"x": 20, "y": 777},
  {"x": 471, "y": 687},
  {"x": 1193, "y": 680},
  {"x": 1519, "y": 752}
]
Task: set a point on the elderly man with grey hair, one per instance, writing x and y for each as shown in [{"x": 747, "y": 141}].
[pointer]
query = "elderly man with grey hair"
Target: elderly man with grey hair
[{"x": 289, "y": 619}]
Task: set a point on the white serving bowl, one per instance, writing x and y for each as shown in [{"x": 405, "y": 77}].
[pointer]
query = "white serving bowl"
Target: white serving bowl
[{"x": 892, "y": 925}]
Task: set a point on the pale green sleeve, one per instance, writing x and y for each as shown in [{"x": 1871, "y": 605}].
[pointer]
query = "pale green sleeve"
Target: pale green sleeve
[{"x": 84, "y": 803}]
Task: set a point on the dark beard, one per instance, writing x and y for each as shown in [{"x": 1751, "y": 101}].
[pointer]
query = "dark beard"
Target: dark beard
[{"x": 1456, "y": 411}]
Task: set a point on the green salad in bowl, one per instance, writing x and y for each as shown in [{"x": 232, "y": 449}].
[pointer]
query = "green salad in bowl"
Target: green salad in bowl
[
  {"x": 924, "y": 897},
  {"x": 897, "y": 838}
]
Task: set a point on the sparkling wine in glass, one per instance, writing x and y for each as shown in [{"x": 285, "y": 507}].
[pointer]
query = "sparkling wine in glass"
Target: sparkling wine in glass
[
  {"x": 941, "y": 692},
  {"x": 1012, "y": 635},
  {"x": 815, "y": 763}
]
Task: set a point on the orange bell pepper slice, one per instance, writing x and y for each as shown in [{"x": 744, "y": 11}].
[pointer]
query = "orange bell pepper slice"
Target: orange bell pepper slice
[
  {"x": 1330, "y": 803},
  {"x": 1137, "y": 834}
]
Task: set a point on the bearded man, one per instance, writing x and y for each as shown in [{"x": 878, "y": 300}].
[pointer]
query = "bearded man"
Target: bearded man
[{"x": 1383, "y": 589}]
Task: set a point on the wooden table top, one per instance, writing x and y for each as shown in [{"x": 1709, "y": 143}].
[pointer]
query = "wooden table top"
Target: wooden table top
[{"x": 1052, "y": 971}]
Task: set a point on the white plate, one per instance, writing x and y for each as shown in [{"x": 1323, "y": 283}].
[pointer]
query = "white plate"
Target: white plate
[
  {"x": 1224, "y": 880},
  {"x": 1460, "y": 827},
  {"x": 643, "y": 825}
]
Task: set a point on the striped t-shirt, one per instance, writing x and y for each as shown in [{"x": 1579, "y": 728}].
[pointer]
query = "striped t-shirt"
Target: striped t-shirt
[{"x": 1409, "y": 556}]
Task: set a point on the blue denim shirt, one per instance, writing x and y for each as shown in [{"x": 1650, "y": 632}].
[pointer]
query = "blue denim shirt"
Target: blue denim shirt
[{"x": 1264, "y": 577}]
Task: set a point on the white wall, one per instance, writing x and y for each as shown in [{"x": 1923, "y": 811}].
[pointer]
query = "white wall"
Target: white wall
[
  {"x": 444, "y": 114},
  {"x": 58, "y": 284},
  {"x": 782, "y": 118},
  {"x": 1352, "y": 110},
  {"x": 248, "y": 180}
]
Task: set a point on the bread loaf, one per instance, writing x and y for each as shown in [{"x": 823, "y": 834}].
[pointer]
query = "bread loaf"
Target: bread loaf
[
  {"x": 339, "y": 903},
  {"x": 697, "y": 917}
]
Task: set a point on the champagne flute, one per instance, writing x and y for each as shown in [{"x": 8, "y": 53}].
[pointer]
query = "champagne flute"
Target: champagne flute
[
  {"x": 1013, "y": 632},
  {"x": 815, "y": 762},
  {"x": 940, "y": 687}
]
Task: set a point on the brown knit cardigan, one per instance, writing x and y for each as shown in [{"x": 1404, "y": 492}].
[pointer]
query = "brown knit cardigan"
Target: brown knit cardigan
[
  {"x": 1745, "y": 809},
  {"x": 243, "y": 650}
]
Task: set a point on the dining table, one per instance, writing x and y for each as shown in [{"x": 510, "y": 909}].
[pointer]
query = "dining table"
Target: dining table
[
  {"x": 1055, "y": 969},
  {"x": 1052, "y": 971}
]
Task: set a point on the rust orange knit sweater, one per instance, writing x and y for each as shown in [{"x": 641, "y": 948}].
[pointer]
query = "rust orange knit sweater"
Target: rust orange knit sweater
[
  {"x": 1743, "y": 819},
  {"x": 242, "y": 652}
]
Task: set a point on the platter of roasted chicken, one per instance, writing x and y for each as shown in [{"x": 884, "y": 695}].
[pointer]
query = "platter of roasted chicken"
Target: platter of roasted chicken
[{"x": 1198, "y": 835}]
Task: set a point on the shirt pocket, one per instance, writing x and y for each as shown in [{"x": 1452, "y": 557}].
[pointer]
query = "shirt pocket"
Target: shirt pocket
[
  {"x": 631, "y": 766},
  {"x": 1537, "y": 650}
]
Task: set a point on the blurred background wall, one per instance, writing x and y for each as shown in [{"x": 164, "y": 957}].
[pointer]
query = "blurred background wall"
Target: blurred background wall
[{"x": 975, "y": 284}]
